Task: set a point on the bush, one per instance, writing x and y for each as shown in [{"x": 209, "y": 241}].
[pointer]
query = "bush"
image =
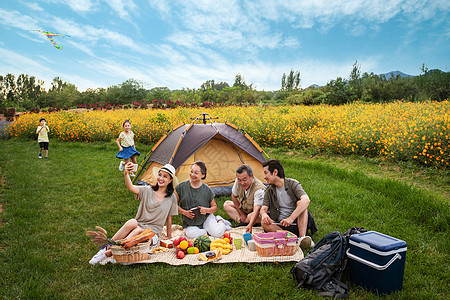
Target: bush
[
  {"x": 307, "y": 97},
  {"x": 9, "y": 113}
]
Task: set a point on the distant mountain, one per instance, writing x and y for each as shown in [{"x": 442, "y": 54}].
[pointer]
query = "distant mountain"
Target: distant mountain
[
  {"x": 313, "y": 86},
  {"x": 395, "y": 73}
]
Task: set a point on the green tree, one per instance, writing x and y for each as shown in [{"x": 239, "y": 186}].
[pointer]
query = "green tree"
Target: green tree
[
  {"x": 21, "y": 93},
  {"x": 159, "y": 93},
  {"x": 92, "y": 96},
  {"x": 61, "y": 94},
  {"x": 8, "y": 89},
  {"x": 338, "y": 92},
  {"x": 126, "y": 92},
  {"x": 132, "y": 90},
  {"x": 433, "y": 84},
  {"x": 290, "y": 82},
  {"x": 239, "y": 82},
  {"x": 213, "y": 85},
  {"x": 310, "y": 96},
  {"x": 355, "y": 81},
  {"x": 209, "y": 95}
]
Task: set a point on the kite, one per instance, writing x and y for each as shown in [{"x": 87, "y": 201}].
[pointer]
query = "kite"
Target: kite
[{"x": 50, "y": 37}]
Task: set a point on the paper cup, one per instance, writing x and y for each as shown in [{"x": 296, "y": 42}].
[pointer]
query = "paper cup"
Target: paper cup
[
  {"x": 247, "y": 237},
  {"x": 237, "y": 243},
  {"x": 251, "y": 245}
]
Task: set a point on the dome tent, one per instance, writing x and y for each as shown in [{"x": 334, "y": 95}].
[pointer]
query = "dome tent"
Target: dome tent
[{"x": 223, "y": 147}]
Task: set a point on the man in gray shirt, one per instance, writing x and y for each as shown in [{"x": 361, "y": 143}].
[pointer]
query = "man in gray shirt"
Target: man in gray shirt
[{"x": 285, "y": 205}]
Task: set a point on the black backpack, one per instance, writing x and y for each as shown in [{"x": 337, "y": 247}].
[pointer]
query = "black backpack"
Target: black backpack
[
  {"x": 353, "y": 230},
  {"x": 322, "y": 268}
]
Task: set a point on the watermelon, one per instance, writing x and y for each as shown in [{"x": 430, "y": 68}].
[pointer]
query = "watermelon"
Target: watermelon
[{"x": 202, "y": 243}]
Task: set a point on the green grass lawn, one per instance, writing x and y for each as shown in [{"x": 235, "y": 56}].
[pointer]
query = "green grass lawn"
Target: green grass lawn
[{"x": 49, "y": 204}]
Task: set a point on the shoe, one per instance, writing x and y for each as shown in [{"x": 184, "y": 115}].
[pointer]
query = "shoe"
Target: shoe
[
  {"x": 306, "y": 242},
  {"x": 120, "y": 166},
  {"x": 46, "y": 157},
  {"x": 108, "y": 260},
  {"x": 226, "y": 222},
  {"x": 40, "y": 155},
  {"x": 98, "y": 257}
]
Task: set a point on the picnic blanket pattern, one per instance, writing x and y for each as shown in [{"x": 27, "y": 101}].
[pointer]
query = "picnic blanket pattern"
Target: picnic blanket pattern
[{"x": 244, "y": 255}]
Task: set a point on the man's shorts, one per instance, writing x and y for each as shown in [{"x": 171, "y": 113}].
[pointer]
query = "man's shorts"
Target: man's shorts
[
  {"x": 43, "y": 145},
  {"x": 312, "y": 227}
]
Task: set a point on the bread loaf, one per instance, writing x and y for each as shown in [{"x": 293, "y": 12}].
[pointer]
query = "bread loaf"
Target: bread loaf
[{"x": 166, "y": 243}]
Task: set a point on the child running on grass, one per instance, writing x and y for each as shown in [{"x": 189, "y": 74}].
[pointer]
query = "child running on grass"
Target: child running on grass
[
  {"x": 125, "y": 142},
  {"x": 42, "y": 132}
]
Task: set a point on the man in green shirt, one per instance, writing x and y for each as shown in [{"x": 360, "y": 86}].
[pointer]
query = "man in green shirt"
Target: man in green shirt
[{"x": 285, "y": 205}]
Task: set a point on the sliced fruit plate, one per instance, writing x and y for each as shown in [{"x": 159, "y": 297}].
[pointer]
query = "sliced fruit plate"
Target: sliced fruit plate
[{"x": 210, "y": 255}]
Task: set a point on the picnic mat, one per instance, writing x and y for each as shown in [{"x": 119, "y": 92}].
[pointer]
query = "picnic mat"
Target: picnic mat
[{"x": 244, "y": 255}]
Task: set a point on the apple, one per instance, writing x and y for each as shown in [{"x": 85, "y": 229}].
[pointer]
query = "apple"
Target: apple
[
  {"x": 190, "y": 244},
  {"x": 176, "y": 241},
  {"x": 180, "y": 254}
]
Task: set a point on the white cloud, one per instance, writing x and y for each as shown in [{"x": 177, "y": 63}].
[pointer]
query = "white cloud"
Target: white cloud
[
  {"x": 18, "y": 64},
  {"x": 89, "y": 35},
  {"x": 33, "y": 6},
  {"x": 202, "y": 40},
  {"x": 161, "y": 6},
  {"x": 306, "y": 14},
  {"x": 122, "y": 8},
  {"x": 17, "y": 20},
  {"x": 246, "y": 25},
  {"x": 80, "y": 6}
]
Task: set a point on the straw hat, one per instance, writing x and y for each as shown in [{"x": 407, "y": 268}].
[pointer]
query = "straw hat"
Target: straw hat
[{"x": 168, "y": 168}]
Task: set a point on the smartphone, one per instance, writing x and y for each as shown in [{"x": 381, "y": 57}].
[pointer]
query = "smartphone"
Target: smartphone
[{"x": 135, "y": 167}]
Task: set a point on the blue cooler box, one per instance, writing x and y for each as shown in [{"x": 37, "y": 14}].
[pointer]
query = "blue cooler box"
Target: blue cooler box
[{"x": 377, "y": 261}]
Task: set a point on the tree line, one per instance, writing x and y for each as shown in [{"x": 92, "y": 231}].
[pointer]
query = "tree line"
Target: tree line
[{"x": 27, "y": 93}]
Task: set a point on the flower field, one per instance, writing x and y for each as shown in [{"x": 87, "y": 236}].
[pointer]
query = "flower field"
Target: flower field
[{"x": 417, "y": 132}]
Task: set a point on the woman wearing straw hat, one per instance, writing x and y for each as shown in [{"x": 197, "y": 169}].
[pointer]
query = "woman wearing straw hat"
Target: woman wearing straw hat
[
  {"x": 192, "y": 194},
  {"x": 158, "y": 203}
]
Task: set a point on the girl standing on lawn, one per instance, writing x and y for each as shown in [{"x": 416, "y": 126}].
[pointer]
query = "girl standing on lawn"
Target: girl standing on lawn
[
  {"x": 194, "y": 193},
  {"x": 125, "y": 142},
  {"x": 158, "y": 203}
]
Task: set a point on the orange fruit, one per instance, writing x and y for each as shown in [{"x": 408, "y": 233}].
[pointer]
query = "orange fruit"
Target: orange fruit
[
  {"x": 183, "y": 245},
  {"x": 196, "y": 250}
]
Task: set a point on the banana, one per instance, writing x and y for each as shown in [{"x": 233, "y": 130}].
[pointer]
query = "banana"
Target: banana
[
  {"x": 218, "y": 245},
  {"x": 220, "y": 241},
  {"x": 225, "y": 246}
]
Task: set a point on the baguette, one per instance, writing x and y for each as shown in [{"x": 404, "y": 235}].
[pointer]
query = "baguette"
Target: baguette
[
  {"x": 146, "y": 231},
  {"x": 139, "y": 240}
]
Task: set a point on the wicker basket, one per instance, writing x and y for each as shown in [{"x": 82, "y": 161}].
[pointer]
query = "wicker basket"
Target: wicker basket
[
  {"x": 275, "y": 243},
  {"x": 131, "y": 255}
]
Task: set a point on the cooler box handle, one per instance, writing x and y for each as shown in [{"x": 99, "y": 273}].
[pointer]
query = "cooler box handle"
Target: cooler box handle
[{"x": 371, "y": 264}]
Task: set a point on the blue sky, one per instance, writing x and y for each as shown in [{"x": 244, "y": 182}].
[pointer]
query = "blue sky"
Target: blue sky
[{"x": 181, "y": 44}]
